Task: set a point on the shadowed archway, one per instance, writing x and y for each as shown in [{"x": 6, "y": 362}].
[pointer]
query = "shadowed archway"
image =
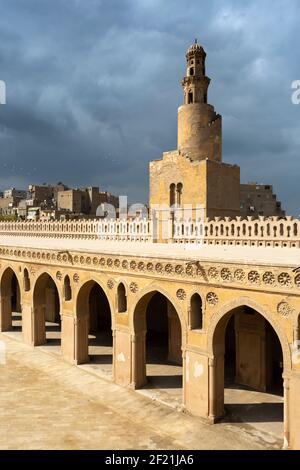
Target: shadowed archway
[
  {"x": 11, "y": 312},
  {"x": 95, "y": 341},
  {"x": 47, "y": 320},
  {"x": 158, "y": 341},
  {"x": 248, "y": 371}
]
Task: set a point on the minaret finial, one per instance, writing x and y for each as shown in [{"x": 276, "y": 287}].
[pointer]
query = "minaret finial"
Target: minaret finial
[{"x": 196, "y": 41}]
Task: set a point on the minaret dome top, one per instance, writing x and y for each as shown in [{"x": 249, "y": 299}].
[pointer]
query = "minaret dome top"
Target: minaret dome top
[{"x": 195, "y": 49}]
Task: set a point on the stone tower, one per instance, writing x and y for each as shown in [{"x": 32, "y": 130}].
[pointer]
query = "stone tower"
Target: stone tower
[
  {"x": 199, "y": 126},
  {"x": 194, "y": 174}
]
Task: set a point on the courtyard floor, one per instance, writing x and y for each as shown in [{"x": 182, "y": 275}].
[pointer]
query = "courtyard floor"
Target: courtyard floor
[{"x": 48, "y": 404}]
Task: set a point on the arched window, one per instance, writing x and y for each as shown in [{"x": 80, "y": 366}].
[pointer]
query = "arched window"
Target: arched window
[
  {"x": 172, "y": 195},
  {"x": 122, "y": 299},
  {"x": 191, "y": 71},
  {"x": 26, "y": 280},
  {"x": 179, "y": 193},
  {"x": 67, "y": 289},
  {"x": 196, "y": 314},
  {"x": 190, "y": 97}
]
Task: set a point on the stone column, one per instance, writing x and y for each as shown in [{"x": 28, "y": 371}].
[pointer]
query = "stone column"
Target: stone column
[
  {"x": 219, "y": 385},
  {"x": 196, "y": 382},
  {"x": 175, "y": 340},
  {"x": 212, "y": 389},
  {"x": 183, "y": 378},
  {"x": 286, "y": 413},
  {"x": 5, "y": 314},
  {"x": 292, "y": 409},
  {"x": 138, "y": 347},
  {"x": 39, "y": 331},
  {"x": 74, "y": 343},
  {"x": 81, "y": 339},
  {"x": 28, "y": 323},
  {"x": 122, "y": 356}
]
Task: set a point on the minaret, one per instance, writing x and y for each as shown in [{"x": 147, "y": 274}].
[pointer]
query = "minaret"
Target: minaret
[
  {"x": 195, "y": 84},
  {"x": 193, "y": 176},
  {"x": 199, "y": 127}
]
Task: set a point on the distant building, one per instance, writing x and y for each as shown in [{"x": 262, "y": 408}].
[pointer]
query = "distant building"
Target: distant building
[
  {"x": 13, "y": 192},
  {"x": 40, "y": 194},
  {"x": 51, "y": 214},
  {"x": 8, "y": 205},
  {"x": 70, "y": 200},
  {"x": 33, "y": 213},
  {"x": 259, "y": 200},
  {"x": 54, "y": 202},
  {"x": 84, "y": 201},
  {"x": 22, "y": 209}
]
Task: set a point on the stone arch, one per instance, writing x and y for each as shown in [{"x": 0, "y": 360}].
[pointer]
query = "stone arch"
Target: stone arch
[
  {"x": 216, "y": 351},
  {"x": 151, "y": 289},
  {"x": 246, "y": 301},
  {"x": 47, "y": 305},
  {"x": 9, "y": 294},
  {"x": 84, "y": 310},
  {"x": 86, "y": 285},
  {"x": 176, "y": 331}
]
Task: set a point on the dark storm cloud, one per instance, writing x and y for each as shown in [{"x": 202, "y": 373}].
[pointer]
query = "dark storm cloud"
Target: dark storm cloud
[{"x": 93, "y": 88}]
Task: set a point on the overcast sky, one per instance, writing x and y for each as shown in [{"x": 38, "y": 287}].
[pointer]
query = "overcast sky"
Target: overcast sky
[{"x": 93, "y": 88}]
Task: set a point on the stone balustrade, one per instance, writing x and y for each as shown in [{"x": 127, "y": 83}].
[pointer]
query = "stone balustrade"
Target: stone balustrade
[
  {"x": 246, "y": 232},
  {"x": 119, "y": 230},
  {"x": 271, "y": 231}
]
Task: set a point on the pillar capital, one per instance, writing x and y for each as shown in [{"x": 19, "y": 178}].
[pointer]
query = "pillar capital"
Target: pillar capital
[{"x": 212, "y": 362}]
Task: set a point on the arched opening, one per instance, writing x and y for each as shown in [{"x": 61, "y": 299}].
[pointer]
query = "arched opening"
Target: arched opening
[
  {"x": 11, "y": 313},
  {"x": 122, "y": 298},
  {"x": 179, "y": 193},
  {"x": 26, "y": 280},
  {"x": 47, "y": 320},
  {"x": 191, "y": 71},
  {"x": 158, "y": 355},
  {"x": 190, "y": 97},
  {"x": 95, "y": 328},
  {"x": 248, "y": 371},
  {"x": 196, "y": 314},
  {"x": 67, "y": 289},
  {"x": 172, "y": 194}
]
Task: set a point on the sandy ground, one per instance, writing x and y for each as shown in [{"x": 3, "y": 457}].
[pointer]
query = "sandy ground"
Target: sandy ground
[{"x": 48, "y": 404}]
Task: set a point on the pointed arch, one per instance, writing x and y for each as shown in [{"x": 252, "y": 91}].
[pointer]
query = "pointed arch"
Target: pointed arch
[
  {"x": 26, "y": 280},
  {"x": 121, "y": 298},
  {"x": 196, "y": 312},
  {"x": 10, "y": 298},
  {"x": 47, "y": 304},
  {"x": 222, "y": 315},
  {"x": 67, "y": 289},
  {"x": 94, "y": 327}
]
